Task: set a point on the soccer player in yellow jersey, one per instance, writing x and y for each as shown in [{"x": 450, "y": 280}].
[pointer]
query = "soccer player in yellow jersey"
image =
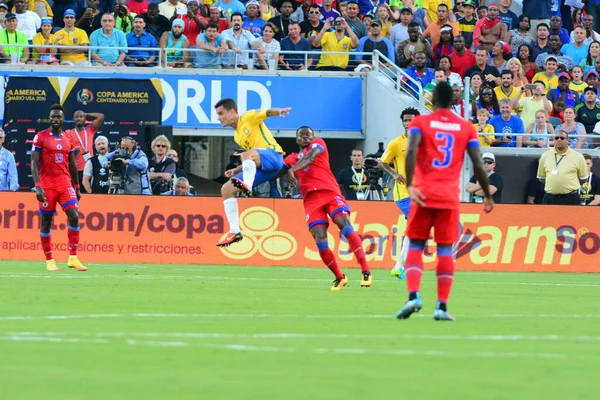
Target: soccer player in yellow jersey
[
  {"x": 262, "y": 159},
  {"x": 394, "y": 152}
]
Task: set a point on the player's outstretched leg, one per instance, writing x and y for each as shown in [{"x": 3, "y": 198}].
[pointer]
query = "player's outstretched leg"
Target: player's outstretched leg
[
  {"x": 46, "y": 239},
  {"x": 445, "y": 277},
  {"x": 355, "y": 244},
  {"x": 414, "y": 272},
  {"x": 399, "y": 270},
  {"x": 228, "y": 191},
  {"x": 73, "y": 240},
  {"x": 319, "y": 232}
]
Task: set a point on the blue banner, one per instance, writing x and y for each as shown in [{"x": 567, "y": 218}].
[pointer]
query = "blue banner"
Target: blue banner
[{"x": 324, "y": 103}]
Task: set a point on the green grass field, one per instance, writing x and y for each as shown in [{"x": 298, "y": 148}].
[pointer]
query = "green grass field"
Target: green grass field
[{"x": 219, "y": 332}]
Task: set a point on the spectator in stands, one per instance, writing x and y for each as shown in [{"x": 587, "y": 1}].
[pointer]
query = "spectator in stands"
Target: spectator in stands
[
  {"x": 500, "y": 55},
  {"x": 252, "y": 21},
  {"x": 487, "y": 99},
  {"x": 562, "y": 171},
  {"x": 135, "y": 167},
  {"x": 229, "y": 7},
  {"x": 41, "y": 54},
  {"x": 4, "y": 9},
  {"x": 214, "y": 46},
  {"x": 459, "y": 107},
  {"x": 59, "y": 7},
  {"x": 576, "y": 50},
  {"x": 589, "y": 192},
  {"x": 541, "y": 44},
  {"x": 482, "y": 12},
  {"x": 239, "y": 40},
  {"x": 556, "y": 29},
  {"x": 110, "y": 37},
  {"x": 539, "y": 11},
  {"x": 137, "y": 40},
  {"x": 519, "y": 79},
  {"x": 562, "y": 91},
  {"x": 368, "y": 6},
  {"x": 490, "y": 30},
  {"x": 489, "y": 72},
  {"x": 194, "y": 22},
  {"x": 156, "y": 24},
  {"x": 266, "y": 10},
  {"x": 431, "y": 11},
  {"x": 335, "y": 41},
  {"x": 123, "y": 17},
  {"x": 417, "y": 12},
  {"x": 294, "y": 42},
  {"x": 419, "y": 72},
  {"x": 548, "y": 76},
  {"x": 565, "y": 62},
  {"x": 73, "y": 37},
  {"x": 453, "y": 79},
  {"x": 540, "y": 132},
  {"x": 525, "y": 56},
  {"x": 445, "y": 46},
  {"x": 506, "y": 16},
  {"x": 9, "y": 178},
  {"x": 461, "y": 59},
  {"x": 506, "y": 89},
  {"x": 172, "y": 154},
  {"x": 95, "y": 175},
  {"x": 182, "y": 188},
  {"x": 558, "y": 108},
  {"x": 434, "y": 29},
  {"x": 168, "y": 8},
  {"x": 384, "y": 15},
  {"x": 466, "y": 24},
  {"x": 438, "y": 76},
  {"x": 29, "y": 21},
  {"x": 483, "y": 127},
  {"x": 89, "y": 21},
  {"x": 161, "y": 168},
  {"x": 358, "y": 27},
  {"x": 311, "y": 27},
  {"x": 589, "y": 62},
  {"x": 282, "y": 21},
  {"x": 520, "y": 35},
  {"x": 506, "y": 125},
  {"x": 495, "y": 181},
  {"x": 416, "y": 42},
  {"x": 375, "y": 41},
  {"x": 11, "y": 35},
  {"x": 531, "y": 105},
  {"x": 215, "y": 17},
  {"x": 577, "y": 84},
  {"x": 353, "y": 180},
  {"x": 591, "y": 33},
  {"x": 328, "y": 11},
  {"x": 138, "y": 6},
  {"x": 174, "y": 45},
  {"x": 399, "y": 31},
  {"x": 588, "y": 112},
  {"x": 267, "y": 40}
]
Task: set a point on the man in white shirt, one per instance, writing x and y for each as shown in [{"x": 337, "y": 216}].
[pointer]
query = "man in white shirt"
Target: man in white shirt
[
  {"x": 169, "y": 8},
  {"x": 239, "y": 39},
  {"x": 29, "y": 22}
]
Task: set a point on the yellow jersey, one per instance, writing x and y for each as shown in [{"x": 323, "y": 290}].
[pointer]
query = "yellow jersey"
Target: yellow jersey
[
  {"x": 77, "y": 37},
  {"x": 330, "y": 42},
  {"x": 395, "y": 152},
  {"x": 501, "y": 95},
  {"x": 550, "y": 83},
  {"x": 486, "y": 129},
  {"x": 578, "y": 87},
  {"x": 252, "y": 133}
]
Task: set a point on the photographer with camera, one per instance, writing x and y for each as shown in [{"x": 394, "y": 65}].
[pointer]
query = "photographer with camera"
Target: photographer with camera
[
  {"x": 161, "y": 168},
  {"x": 128, "y": 169},
  {"x": 95, "y": 176}
]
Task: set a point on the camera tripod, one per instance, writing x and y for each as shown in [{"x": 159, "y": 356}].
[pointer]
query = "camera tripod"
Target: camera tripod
[{"x": 374, "y": 192}]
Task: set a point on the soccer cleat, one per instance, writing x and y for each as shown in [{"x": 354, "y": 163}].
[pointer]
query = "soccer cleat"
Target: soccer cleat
[
  {"x": 440, "y": 315},
  {"x": 367, "y": 279},
  {"x": 242, "y": 187},
  {"x": 339, "y": 283},
  {"x": 231, "y": 238},
  {"x": 51, "y": 265},
  {"x": 75, "y": 263},
  {"x": 410, "y": 307},
  {"x": 399, "y": 273}
]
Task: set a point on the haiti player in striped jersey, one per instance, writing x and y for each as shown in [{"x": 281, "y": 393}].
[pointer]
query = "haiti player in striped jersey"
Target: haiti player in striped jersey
[
  {"x": 323, "y": 201},
  {"x": 434, "y": 160}
]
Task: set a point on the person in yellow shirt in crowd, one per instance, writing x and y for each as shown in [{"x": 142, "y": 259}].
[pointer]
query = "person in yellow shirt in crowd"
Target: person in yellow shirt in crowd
[
  {"x": 431, "y": 7},
  {"x": 548, "y": 76},
  {"x": 506, "y": 90},
  {"x": 44, "y": 55},
  {"x": 335, "y": 41},
  {"x": 72, "y": 36},
  {"x": 577, "y": 84},
  {"x": 483, "y": 116}
]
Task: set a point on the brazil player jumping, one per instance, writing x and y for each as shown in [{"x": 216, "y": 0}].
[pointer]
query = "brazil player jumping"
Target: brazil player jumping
[
  {"x": 394, "y": 153},
  {"x": 322, "y": 198},
  {"x": 434, "y": 158},
  {"x": 261, "y": 162},
  {"x": 54, "y": 173}
]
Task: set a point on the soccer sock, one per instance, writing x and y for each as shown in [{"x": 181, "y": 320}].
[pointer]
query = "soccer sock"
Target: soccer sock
[
  {"x": 403, "y": 253},
  {"x": 356, "y": 247},
  {"x": 414, "y": 270},
  {"x": 248, "y": 172},
  {"x": 46, "y": 239},
  {"x": 73, "y": 237},
  {"x": 329, "y": 259},
  {"x": 445, "y": 275},
  {"x": 231, "y": 211}
]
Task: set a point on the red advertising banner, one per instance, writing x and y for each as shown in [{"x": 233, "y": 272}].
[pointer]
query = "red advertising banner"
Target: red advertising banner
[{"x": 184, "y": 230}]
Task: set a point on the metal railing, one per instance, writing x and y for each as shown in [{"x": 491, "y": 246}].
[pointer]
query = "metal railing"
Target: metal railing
[{"x": 399, "y": 78}]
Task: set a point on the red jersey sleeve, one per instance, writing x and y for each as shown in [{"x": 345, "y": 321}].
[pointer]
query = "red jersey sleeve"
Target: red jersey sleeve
[
  {"x": 473, "y": 138},
  {"x": 291, "y": 160},
  {"x": 38, "y": 142},
  {"x": 318, "y": 143}
]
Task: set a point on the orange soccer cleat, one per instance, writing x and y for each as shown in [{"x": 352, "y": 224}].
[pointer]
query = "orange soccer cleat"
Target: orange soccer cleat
[
  {"x": 75, "y": 263},
  {"x": 51, "y": 265},
  {"x": 339, "y": 283},
  {"x": 231, "y": 238}
]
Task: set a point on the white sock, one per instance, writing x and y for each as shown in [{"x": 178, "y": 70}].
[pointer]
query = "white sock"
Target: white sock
[
  {"x": 231, "y": 211},
  {"x": 248, "y": 172},
  {"x": 403, "y": 253}
]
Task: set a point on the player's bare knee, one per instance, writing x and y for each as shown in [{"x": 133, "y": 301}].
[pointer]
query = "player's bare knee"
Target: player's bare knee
[
  {"x": 228, "y": 190},
  {"x": 46, "y": 223}
]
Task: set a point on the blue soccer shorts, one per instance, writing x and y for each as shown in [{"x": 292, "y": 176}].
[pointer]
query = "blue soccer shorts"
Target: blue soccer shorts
[
  {"x": 404, "y": 206},
  {"x": 271, "y": 163}
]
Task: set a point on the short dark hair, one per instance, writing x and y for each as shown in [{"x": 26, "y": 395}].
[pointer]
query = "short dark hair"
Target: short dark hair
[
  {"x": 442, "y": 4},
  {"x": 439, "y": 69},
  {"x": 293, "y": 23},
  {"x": 506, "y": 72},
  {"x": 482, "y": 8},
  {"x": 305, "y": 127},
  {"x": 442, "y": 95},
  {"x": 228, "y": 104},
  {"x": 542, "y": 24},
  {"x": 352, "y": 2},
  {"x": 57, "y": 107},
  {"x": 409, "y": 111},
  {"x": 587, "y": 156},
  {"x": 139, "y": 16},
  {"x": 357, "y": 149},
  {"x": 213, "y": 26},
  {"x": 315, "y": 5},
  {"x": 479, "y": 48},
  {"x": 238, "y": 14},
  {"x": 538, "y": 81},
  {"x": 412, "y": 25},
  {"x": 152, "y": 6}
]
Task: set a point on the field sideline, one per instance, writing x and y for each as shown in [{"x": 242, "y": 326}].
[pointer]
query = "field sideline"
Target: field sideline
[{"x": 226, "y": 332}]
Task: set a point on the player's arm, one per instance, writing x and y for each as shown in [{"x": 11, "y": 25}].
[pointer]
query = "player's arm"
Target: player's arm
[
  {"x": 35, "y": 174},
  {"x": 312, "y": 154},
  {"x": 282, "y": 112},
  {"x": 74, "y": 174},
  {"x": 481, "y": 175},
  {"x": 97, "y": 118},
  {"x": 381, "y": 164}
]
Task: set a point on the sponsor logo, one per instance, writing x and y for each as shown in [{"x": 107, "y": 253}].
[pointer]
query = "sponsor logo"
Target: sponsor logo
[{"x": 85, "y": 97}]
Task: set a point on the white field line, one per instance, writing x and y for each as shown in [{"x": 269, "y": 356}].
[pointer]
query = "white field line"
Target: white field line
[
  {"x": 574, "y": 284},
  {"x": 273, "y": 349},
  {"x": 293, "y": 335},
  {"x": 295, "y": 316}
]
